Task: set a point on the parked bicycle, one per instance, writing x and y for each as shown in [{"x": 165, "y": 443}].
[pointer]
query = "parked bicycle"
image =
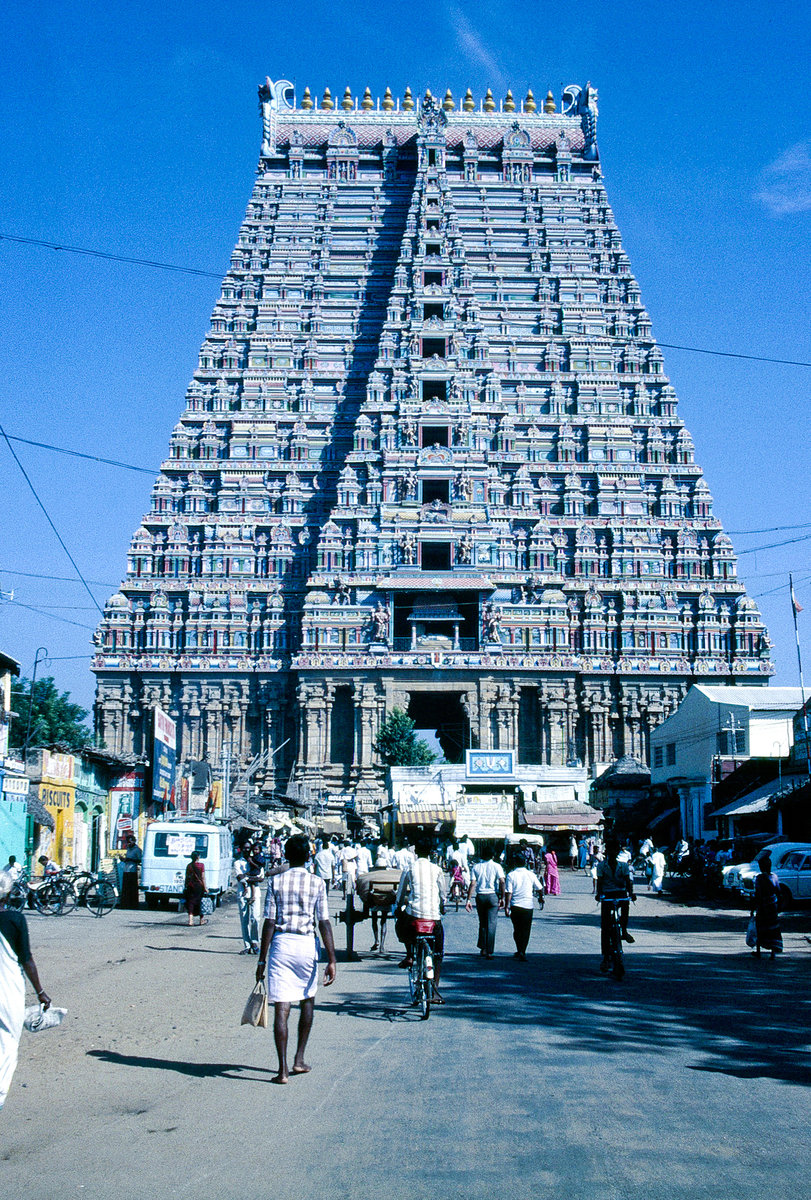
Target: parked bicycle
[{"x": 91, "y": 890}]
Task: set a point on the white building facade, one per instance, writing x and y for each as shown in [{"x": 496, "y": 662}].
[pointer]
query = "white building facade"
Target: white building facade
[{"x": 713, "y": 723}]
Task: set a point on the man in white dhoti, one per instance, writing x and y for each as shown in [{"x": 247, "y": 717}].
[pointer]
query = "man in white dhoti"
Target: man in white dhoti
[
  {"x": 15, "y": 957},
  {"x": 296, "y": 903}
]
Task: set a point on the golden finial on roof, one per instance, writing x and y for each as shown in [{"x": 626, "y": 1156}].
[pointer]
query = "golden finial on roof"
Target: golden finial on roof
[
  {"x": 428, "y": 96},
  {"x": 306, "y": 100},
  {"x": 448, "y": 103},
  {"x": 509, "y": 103},
  {"x": 468, "y": 104},
  {"x": 326, "y": 100},
  {"x": 529, "y": 102},
  {"x": 367, "y": 102},
  {"x": 489, "y": 102},
  {"x": 347, "y": 101},
  {"x": 549, "y": 103},
  {"x": 388, "y": 100},
  {"x": 408, "y": 100}
]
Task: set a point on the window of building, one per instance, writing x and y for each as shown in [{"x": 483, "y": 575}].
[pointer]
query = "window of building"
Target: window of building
[
  {"x": 435, "y": 556},
  {"x": 433, "y": 249},
  {"x": 658, "y": 756},
  {"x": 434, "y": 435},
  {"x": 432, "y": 158},
  {"x": 434, "y": 389},
  {"x": 432, "y": 223},
  {"x": 432, "y": 279},
  {"x": 429, "y": 311},
  {"x": 431, "y": 346},
  {"x": 435, "y": 489},
  {"x": 671, "y": 754}
]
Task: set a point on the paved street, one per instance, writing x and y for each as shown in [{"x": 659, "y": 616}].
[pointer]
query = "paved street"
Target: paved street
[{"x": 689, "y": 1079}]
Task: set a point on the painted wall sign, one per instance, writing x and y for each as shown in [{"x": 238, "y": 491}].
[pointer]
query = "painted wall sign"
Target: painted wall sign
[{"x": 489, "y": 764}]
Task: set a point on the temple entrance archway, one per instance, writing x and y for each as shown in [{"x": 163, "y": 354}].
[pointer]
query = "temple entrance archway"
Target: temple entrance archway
[{"x": 442, "y": 714}]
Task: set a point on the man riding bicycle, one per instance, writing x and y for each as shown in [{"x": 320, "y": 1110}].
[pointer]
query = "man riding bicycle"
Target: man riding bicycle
[
  {"x": 614, "y": 880},
  {"x": 421, "y": 897}
]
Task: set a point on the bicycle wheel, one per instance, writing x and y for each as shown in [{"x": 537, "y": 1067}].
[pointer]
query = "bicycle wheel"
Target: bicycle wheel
[
  {"x": 413, "y": 978},
  {"x": 616, "y": 950},
  {"x": 82, "y": 882},
  {"x": 101, "y": 898},
  {"x": 64, "y": 900},
  {"x": 43, "y": 898},
  {"x": 18, "y": 897},
  {"x": 423, "y": 983}
]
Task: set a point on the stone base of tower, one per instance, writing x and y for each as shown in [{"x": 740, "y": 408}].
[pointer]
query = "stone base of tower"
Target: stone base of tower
[
  {"x": 556, "y": 719},
  {"x": 315, "y": 730}
]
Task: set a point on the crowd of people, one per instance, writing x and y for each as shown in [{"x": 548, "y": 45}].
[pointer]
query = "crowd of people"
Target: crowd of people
[{"x": 407, "y": 882}]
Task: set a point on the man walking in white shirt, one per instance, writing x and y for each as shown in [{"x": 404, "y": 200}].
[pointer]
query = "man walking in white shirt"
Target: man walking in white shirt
[
  {"x": 488, "y": 883},
  {"x": 324, "y": 863},
  {"x": 520, "y": 888}
]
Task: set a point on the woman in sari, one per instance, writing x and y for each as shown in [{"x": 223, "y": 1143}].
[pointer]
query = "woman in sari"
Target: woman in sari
[
  {"x": 551, "y": 875},
  {"x": 195, "y": 888},
  {"x": 15, "y": 957},
  {"x": 766, "y": 904}
]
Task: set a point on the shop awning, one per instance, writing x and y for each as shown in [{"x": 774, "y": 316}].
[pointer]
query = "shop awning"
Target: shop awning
[
  {"x": 39, "y": 812},
  {"x": 426, "y": 816}
]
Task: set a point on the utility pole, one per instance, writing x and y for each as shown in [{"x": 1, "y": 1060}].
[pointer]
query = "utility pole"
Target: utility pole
[
  {"x": 226, "y": 779},
  {"x": 796, "y": 608},
  {"x": 40, "y": 650}
]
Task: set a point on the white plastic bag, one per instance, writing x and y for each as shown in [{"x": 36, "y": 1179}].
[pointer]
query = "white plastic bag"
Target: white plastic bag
[{"x": 37, "y": 1018}]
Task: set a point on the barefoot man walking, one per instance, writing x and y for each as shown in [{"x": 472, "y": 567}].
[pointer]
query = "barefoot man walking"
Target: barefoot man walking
[{"x": 296, "y": 903}]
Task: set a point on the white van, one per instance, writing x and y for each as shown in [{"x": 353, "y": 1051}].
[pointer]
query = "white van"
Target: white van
[{"x": 168, "y": 848}]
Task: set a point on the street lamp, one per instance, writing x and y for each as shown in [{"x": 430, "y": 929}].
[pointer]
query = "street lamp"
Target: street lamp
[{"x": 45, "y": 660}]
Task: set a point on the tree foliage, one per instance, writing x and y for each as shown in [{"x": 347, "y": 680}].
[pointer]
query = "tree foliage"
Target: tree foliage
[
  {"x": 54, "y": 717},
  {"x": 398, "y": 744}
]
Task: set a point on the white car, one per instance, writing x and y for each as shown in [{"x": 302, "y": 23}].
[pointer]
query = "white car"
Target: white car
[{"x": 791, "y": 863}]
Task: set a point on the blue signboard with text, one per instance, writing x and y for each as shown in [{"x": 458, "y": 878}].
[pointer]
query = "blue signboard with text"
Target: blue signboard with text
[
  {"x": 163, "y": 762},
  {"x": 489, "y": 764}
]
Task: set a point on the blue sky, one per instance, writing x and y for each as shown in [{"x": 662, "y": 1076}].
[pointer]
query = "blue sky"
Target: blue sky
[{"x": 133, "y": 128}]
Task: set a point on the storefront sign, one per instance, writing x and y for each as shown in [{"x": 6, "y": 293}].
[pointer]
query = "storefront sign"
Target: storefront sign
[
  {"x": 57, "y": 768},
  {"x": 489, "y": 764},
  {"x": 484, "y": 816},
  {"x": 15, "y": 785},
  {"x": 163, "y": 760},
  {"x": 125, "y": 805}
]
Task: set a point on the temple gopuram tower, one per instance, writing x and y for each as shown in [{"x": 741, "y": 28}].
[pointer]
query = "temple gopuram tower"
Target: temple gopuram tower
[{"x": 429, "y": 459}]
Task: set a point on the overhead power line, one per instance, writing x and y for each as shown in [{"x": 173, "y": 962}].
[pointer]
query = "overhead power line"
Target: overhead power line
[
  {"x": 110, "y": 462},
  {"x": 774, "y": 545},
  {"x": 58, "y": 578},
  {"x": 770, "y": 529},
  {"x": 162, "y": 266},
  {"x": 121, "y": 258},
  {"x": 46, "y": 514},
  {"x": 785, "y": 362},
  {"x": 44, "y": 613}
]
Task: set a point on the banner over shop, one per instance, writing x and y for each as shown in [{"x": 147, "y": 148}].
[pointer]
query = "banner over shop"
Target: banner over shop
[{"x": 164, "y": 748}]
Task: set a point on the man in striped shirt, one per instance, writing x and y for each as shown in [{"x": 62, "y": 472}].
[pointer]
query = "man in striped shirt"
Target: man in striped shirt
[
  {"x": 422, "y": 894},
  {"x": 296, "y": 905}
]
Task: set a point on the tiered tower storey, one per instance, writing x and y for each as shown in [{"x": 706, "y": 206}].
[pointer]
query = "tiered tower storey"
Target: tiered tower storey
[{"x": 429, "y": 459}]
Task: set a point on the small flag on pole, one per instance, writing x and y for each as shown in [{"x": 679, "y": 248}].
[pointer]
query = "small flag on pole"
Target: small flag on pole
[{"x": 798, "y": 608}]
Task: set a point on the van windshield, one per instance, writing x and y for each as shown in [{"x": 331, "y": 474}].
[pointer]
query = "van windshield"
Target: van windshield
[{"x": 180, "y": 845}]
